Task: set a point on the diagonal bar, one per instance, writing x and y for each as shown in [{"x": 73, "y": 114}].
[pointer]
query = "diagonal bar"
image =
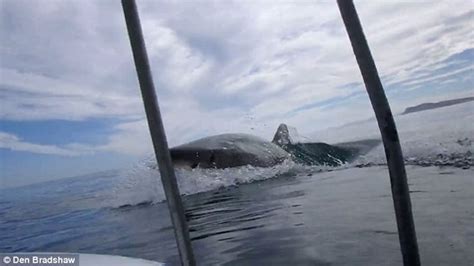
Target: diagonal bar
[
  {"x": 157, "y": 132},
  {"x": 388, "y": 130}
]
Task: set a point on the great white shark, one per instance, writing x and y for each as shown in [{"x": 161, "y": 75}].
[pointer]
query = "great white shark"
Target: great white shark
[{"x": 233, "y": 150}]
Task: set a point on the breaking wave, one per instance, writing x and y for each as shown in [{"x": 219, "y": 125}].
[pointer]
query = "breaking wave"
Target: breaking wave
[{"x": 142, "y": 184}]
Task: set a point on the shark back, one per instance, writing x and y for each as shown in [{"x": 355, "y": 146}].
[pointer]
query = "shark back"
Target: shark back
[{"x": 228, "y": 150}]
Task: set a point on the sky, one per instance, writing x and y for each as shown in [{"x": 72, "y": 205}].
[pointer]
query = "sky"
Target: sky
[{"x": 70, "y": 101}]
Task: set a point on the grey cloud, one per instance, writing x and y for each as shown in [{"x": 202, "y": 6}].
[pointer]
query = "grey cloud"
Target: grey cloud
[{"x": 214, "y": 63}]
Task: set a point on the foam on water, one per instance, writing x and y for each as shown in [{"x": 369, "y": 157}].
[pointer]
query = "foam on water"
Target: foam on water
[
  {"x": 142, "y": 184},
  {"x": 443, "y": 133}
]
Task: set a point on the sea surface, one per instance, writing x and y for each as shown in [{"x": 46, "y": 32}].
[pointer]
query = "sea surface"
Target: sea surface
[{"x": 284, "y": 215}]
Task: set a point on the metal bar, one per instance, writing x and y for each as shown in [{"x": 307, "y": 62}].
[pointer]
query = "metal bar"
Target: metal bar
[
  {"x": 393, "y": 151},
  {"x": 157, "y": 132}
]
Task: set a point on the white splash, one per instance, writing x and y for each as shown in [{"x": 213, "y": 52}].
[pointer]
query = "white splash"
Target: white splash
[
  {"x": 432, "y": 133},
  {"x": 143, "y": 183}
]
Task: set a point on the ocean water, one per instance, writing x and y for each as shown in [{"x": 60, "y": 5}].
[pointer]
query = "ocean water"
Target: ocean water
[{"x": 287, "y": 214}]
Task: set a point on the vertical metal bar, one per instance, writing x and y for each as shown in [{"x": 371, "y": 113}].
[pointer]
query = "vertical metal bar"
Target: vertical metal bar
[
  {"x": 157, "y": 132},
  {"x": 393, "y": 151}
]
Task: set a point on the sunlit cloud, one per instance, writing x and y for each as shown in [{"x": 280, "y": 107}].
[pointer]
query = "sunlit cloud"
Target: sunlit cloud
[{"x": 13, "y": 142}]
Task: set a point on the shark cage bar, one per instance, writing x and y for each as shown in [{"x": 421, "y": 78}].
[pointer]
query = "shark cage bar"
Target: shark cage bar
[
  {"x": 157, "y": 131},
  {"x": 393, "y": 152},
  {"x": 388, "y": 130}
]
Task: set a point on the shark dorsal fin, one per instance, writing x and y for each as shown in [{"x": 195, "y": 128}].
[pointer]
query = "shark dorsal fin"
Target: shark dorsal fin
[{"x": 282, "y": 136}]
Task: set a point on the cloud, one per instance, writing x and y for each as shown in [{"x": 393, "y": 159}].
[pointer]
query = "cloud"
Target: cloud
[
  {"x": 219, "y": 66},
  {"x": 13, "y": 142},
  {"x": 130, "y": 138}
]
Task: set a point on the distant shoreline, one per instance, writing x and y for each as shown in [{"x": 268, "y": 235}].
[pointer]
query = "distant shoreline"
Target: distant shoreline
[{"x": 429, "y": 106}]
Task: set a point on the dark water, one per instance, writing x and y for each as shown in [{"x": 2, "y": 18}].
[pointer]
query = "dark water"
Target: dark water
[{"x": 342, "y": 217}]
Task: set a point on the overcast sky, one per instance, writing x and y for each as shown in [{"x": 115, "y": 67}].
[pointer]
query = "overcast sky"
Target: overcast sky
[{"x": 70, "y": 101}]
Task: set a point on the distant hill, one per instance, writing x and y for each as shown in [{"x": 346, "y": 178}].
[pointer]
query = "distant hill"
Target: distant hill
[{"x": 428, "y": 106}]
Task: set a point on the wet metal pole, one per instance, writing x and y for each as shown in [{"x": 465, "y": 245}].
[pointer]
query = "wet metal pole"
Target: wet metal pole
[
  {"x": 157, "y": 132},
  {"x": 393, "y": 151}
]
